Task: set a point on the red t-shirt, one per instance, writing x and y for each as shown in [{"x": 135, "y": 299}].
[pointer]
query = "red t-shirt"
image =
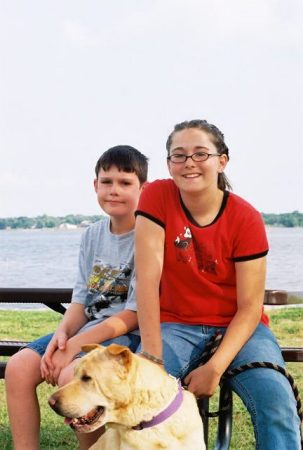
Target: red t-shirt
[{"x": 198, "y": 283}]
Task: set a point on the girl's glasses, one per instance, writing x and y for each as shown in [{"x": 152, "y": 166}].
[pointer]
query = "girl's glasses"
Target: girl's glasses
[{"x": 179, "y": 158}]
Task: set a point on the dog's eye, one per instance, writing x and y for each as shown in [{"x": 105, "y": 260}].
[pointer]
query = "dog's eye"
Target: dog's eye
[{"x": 85, "y": 378}]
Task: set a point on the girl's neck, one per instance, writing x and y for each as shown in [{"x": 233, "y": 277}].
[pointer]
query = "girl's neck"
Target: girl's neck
[
  {"x": 122, "y": 225},
  {"x": 205, "y": 206}
]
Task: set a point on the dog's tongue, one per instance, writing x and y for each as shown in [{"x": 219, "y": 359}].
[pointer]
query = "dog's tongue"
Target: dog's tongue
[{"x": 68, "y": 420}]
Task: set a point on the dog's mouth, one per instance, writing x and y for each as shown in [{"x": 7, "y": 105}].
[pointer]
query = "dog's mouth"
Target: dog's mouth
[{"x": 84, "y": 423}]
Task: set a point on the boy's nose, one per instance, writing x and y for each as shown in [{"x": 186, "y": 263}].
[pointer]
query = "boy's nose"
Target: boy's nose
[{"x": 114, "y": 190}]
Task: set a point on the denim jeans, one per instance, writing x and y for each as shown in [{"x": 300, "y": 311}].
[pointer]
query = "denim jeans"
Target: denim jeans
[{"x": 266, "y": 393}]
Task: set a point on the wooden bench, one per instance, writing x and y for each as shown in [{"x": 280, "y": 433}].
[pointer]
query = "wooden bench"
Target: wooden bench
[{"x": 56, "y": 298}]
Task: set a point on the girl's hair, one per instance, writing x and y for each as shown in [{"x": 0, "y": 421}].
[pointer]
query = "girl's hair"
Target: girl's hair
[
  {"x": 125, "y": 158},
  {"x": 217, "y": 138}
]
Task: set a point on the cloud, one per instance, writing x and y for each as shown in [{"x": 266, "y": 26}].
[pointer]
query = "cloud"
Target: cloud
[{"x": 79, "y": 35}]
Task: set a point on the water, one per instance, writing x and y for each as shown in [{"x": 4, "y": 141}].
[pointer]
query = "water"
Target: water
[
  {"x": 48, "y": 258},
  {"x": 285, "y": 259},
  {"x": 39, "y": 258}
]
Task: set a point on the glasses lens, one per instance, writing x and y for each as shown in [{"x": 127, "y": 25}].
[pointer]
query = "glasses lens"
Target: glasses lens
[
  {"x": 178, "y": 158},
  {"x": 200, "y": 156}
]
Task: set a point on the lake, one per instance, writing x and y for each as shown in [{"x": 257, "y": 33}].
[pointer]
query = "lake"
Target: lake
[{"x": 48, "y": 258}]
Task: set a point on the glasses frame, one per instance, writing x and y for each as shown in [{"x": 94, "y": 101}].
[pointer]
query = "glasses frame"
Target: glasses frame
[{"x": 192, "y": 156}]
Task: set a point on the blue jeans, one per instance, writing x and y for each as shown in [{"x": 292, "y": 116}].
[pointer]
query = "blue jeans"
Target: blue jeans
[
  {"x": 129, "y": 340},
  {"x": 267, "y": 394}
]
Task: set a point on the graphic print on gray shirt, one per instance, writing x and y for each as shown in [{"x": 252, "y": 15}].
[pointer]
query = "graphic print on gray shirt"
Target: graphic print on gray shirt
[{"x": 105, "y": 283}]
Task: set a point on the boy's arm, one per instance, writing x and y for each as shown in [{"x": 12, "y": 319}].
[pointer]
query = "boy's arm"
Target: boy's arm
[
  {"x": 113, "y": 326},
  {"x": 117, "y": 325}
]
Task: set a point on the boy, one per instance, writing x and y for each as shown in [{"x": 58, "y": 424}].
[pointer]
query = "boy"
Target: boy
[{"x": 103, "y": 304}]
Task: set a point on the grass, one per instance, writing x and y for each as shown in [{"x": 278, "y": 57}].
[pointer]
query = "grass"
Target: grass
[{"x": 28, "y": 325}]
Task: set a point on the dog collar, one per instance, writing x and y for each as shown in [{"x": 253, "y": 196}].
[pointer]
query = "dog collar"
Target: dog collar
[{"x": 165, "y": 414}]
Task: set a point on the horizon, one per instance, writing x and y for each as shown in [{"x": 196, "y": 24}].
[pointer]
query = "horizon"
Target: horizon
[{"x": 103, "y": 214}]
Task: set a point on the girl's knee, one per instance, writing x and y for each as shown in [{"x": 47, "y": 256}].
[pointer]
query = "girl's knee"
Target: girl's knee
[{"x": 266, "y": 389}]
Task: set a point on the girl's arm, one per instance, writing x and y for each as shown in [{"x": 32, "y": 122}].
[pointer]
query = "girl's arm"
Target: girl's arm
[
  {"x": 250, "y": 278},
  {"x": 149, "y": 253}
]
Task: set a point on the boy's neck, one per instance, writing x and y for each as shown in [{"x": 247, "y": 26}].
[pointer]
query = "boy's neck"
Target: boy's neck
[{"x": 122, "y": 225}]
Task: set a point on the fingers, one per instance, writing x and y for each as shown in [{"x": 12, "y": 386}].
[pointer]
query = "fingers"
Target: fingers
[{"x": 62, "y": 339}]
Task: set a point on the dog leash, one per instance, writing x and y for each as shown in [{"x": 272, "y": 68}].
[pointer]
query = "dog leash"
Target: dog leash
[{"x": 211, "y": 348}]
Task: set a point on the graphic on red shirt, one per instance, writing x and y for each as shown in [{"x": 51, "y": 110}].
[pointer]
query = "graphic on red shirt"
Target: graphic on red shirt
[
  {"x": 189, "y": 251},
  {"x": 206, "y": 261},
  {"x": 184, "y": 246}
]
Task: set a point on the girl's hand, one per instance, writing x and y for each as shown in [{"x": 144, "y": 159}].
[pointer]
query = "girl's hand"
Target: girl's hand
[{"x": 203, "y": 381}]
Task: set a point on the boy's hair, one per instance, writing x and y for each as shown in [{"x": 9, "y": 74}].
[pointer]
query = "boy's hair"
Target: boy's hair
[{"x": 125, "y": 158}]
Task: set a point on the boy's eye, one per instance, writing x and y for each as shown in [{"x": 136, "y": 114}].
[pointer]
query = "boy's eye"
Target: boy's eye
[
  {"x": 105, "y": 181},
  {"x": 126, "y": 183}
]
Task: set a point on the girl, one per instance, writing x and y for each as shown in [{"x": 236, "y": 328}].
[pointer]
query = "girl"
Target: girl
[{"x": 200, "y": 268}]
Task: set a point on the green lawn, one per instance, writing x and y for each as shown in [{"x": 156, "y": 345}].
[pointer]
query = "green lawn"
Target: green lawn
[{"x": 25, "y": 325}]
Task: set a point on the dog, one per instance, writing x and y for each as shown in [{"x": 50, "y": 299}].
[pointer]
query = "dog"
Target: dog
[{"x": 141, "y": 405}]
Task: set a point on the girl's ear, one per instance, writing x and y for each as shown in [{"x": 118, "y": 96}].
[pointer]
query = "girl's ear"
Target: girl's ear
[{"x": 223, "y": 160}]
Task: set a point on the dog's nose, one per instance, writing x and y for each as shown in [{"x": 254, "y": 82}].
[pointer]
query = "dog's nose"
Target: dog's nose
[{"x": 52, "y": 401}]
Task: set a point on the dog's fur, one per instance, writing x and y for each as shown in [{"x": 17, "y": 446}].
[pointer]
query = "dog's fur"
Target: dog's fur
[{"x": 113, "y": 386}]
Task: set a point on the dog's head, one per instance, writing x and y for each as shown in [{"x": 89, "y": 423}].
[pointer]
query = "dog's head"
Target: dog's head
[{"x": 100, "y": 390}]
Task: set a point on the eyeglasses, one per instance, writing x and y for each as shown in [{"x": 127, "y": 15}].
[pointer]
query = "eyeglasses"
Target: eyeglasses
[{"x": 180, "y": 158}]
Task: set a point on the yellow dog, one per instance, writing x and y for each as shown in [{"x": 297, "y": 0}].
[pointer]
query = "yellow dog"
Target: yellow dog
[{"x": 144, "y": 407}]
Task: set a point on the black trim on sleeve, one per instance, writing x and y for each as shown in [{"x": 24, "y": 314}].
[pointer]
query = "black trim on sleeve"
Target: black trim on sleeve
[
  {"x": 148, "y": 216},
  {"x": 250, "y": 257}
]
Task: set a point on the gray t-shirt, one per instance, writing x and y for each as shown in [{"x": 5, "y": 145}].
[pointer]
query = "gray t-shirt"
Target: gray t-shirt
[{"x": 105, "y": 282}]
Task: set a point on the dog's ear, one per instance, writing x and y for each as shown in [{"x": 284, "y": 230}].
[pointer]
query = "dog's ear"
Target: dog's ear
[
  {"x": 124, "y": 353},
  {"x": 89, "y": 347}
]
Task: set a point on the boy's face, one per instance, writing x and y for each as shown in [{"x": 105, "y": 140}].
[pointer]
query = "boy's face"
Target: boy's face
[{"x": 117, "y": 192}]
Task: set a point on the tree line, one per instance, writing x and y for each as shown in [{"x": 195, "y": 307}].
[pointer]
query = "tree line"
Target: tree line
[
  {"x": 289, "y": 220},
  {"x": 45, "y": 221}
]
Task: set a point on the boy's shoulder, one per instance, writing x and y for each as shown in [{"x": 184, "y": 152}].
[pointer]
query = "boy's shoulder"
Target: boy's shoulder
[{"x": 95, "y": 228}]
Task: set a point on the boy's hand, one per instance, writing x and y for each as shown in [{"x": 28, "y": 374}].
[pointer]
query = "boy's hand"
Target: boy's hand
[
  {"x": 60, "y": 359},
  {"x": 58, "y": 342}
]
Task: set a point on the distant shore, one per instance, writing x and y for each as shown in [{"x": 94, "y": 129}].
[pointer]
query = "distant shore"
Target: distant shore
[{"x": 284, "y": 220}]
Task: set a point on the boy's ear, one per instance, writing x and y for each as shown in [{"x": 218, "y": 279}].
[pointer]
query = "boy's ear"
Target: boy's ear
[
  {"x": 143, "y": 186},
  {"x": 96, "y": 184}
]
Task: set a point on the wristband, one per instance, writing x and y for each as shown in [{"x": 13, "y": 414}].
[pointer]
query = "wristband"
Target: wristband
[{"x": 152, "y": 358}]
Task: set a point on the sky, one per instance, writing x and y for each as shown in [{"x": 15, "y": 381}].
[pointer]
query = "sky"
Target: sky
[{"x": 77, "y": 77}]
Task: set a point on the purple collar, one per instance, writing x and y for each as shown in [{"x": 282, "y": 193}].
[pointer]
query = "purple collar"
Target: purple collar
[{"x": 165, "y": 414}]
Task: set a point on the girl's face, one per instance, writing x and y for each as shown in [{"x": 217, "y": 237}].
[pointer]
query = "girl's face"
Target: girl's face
[{"x": 192, "y": 176}]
